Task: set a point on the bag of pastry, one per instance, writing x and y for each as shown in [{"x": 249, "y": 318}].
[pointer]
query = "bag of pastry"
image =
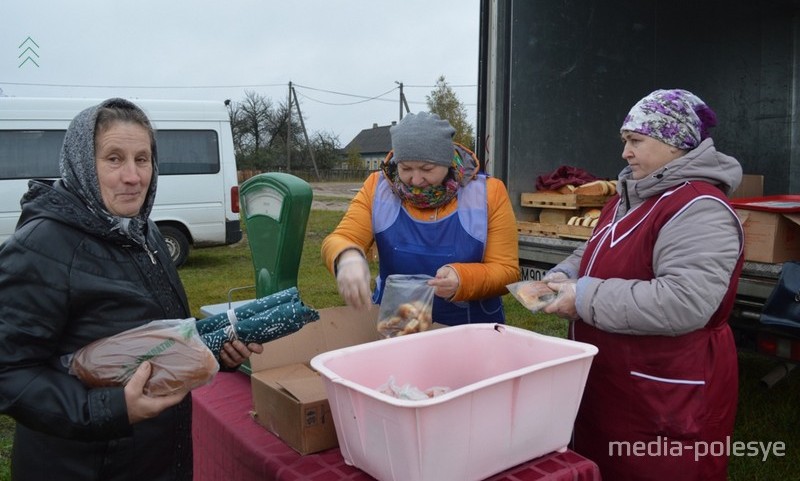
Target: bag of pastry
[
  {"x": 534, "y": 295},
  {"x": 179, "y": 357},
  {"x": 406, "y": 305}
]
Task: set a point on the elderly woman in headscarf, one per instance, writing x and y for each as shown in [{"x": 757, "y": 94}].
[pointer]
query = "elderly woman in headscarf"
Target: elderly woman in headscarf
[
  {"x": 652, "y": 289},
  {"x": 430, "y": 211},
  {"x": 85, "y": 263}
]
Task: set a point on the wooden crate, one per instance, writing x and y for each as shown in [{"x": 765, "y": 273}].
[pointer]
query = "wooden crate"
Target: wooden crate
[
  {"x": 537, "y": 229},
  {"x": 554, "y": 230},
  {"x": 574, "y": 232},
  {"x": 561, "y": 201}
]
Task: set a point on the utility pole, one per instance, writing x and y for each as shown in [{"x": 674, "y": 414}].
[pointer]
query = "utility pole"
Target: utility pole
[
  {"x": 289, "y": 131},
  {"x": 293, "y": 96},
  {"x": 305, "y": 133},
  {"x": 403, "y": 101}
]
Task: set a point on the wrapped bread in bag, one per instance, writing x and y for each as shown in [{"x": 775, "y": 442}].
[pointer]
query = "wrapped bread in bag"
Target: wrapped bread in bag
[{"x": 180, "y": 360}]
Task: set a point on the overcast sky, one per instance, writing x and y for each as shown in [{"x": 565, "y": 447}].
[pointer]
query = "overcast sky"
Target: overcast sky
[{"x": 337, "y": 53}]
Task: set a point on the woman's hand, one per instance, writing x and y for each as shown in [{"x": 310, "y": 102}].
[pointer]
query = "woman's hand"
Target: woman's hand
[
  {"x": 446, "y": 282},
  {"x": 141, "y": 406},
  {"x": 352, "y": 279},
  {"x": 233, "y": 354},
  {"x": 564, "y": 304}
]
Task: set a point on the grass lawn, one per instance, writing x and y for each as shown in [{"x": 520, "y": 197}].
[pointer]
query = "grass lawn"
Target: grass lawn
[{"x": 764, "y": 415}]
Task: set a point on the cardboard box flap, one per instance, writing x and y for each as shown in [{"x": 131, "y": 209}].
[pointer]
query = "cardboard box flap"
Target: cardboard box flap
[
  {"x": 793, "y": 217},
  {"x": 289, "y": 397},
  {"x": 743, "y": 215},
  {"x": 339, "y": 327},
  {"x": 308, "y": 389},
  {"x": 289, "y": 371}
]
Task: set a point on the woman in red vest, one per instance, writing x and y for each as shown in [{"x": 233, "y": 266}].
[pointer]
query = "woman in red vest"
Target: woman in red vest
[{"x": 652, "y": 289}]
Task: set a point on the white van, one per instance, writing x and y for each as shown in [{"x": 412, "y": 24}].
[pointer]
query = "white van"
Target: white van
[{"x": 197, "y": 203}]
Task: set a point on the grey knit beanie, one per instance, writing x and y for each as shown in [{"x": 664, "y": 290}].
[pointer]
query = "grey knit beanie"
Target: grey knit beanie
[{"x": 423, "y": 137}]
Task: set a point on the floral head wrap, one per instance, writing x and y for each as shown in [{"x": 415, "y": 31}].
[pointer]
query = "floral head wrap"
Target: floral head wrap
[{"x": 676, "y": 117}]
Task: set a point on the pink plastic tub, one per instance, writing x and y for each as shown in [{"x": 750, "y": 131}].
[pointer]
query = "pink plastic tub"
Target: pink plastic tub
[{"x": 514, "y": 397}]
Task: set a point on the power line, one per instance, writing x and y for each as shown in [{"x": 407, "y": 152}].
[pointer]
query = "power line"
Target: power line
[
  {"x": 32, "y": 84},
  {"x": 175, "y": 87},
  {"x": 141, "y": 86},
  {"x": 434, "y": 86},
  {"x": 341, "y": 103},
  {"x": 364, "y": 99}
]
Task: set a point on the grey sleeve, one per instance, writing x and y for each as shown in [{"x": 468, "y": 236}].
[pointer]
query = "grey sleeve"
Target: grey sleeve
[
  {"x": 693, "y": 259},
  {"x": 571, "y": 265}
]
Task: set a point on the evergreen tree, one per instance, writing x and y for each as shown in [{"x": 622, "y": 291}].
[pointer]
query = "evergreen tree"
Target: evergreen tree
[{"x": 444, "y": 102}]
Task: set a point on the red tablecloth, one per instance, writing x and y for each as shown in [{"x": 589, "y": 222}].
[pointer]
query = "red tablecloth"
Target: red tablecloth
[{"x": 229, "y": 444}]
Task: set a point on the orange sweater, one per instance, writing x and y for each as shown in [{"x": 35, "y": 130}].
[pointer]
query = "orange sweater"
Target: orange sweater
[{"x": 479, "y": 280}]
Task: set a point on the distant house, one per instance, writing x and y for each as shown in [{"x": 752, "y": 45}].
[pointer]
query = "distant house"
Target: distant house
[{"x": 372, "y": 144}]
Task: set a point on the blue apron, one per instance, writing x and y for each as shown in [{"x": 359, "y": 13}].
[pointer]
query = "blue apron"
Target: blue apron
[{"x": 408, "y": 246}]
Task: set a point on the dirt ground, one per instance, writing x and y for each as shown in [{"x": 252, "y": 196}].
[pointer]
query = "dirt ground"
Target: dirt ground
[{"x": 333, "y": 195}]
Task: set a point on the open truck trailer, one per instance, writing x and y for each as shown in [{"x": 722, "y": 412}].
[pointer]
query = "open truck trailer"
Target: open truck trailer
[{"x": 556, "y": 79}]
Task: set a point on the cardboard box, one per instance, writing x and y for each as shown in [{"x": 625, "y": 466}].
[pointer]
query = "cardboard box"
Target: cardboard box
[
  {"x": 770, "y": 237},
  {"x": 288, "y": 396},
  {"x": 751, "y": 186}
]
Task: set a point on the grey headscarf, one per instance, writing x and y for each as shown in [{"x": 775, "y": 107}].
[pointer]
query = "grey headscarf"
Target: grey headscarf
[{"x": 79, "y": 172}]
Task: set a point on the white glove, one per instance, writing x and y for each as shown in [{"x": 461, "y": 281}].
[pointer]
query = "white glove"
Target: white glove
[
  {"x": 557, "y": 276},
  {"x": 352, "y": 278},
  {"x": 564, "y": 304}
]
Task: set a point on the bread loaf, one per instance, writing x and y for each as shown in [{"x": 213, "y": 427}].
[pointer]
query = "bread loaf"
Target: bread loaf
[
  {"x": 598, "y": 187},
  {"x": 179, "y": 358},
  {"x": 592, "y": 213}
]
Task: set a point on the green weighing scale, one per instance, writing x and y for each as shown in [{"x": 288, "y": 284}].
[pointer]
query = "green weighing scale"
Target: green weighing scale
[{"x": 275, "y": 207}]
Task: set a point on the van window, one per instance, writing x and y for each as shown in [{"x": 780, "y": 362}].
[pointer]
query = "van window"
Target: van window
[
  {"x": 187, "y": 152},
  {"x": 30, "y": 154},
  {"x": 27, "y": 154}
]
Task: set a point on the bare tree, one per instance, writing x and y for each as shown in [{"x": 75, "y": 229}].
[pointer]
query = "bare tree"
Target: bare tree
[
  {"x": 326, "y": 148},
  {"x": 250, "y": 127},
  {"x": 260, "y": 131}
]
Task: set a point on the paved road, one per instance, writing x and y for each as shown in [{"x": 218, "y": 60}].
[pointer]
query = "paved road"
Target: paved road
[{"x": 333, "y": 195}]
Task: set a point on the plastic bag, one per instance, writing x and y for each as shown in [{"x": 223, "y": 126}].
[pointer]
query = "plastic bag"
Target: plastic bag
[
  {"x": 406, "y": 306},
  {"x": 409, "y": 392},
  {"x": 180, "y": 360},
  {"x": 534, "y": 295}
]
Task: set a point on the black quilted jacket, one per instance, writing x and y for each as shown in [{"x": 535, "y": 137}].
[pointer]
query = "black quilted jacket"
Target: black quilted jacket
[{"x": 65, "y": 281}]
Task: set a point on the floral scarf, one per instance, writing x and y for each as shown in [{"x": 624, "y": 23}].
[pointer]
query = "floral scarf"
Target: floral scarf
[{"x": 431, "y": 196}]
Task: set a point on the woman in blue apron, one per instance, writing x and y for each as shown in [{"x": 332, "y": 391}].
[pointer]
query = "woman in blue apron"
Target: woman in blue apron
[{"x": 429, "y": 210}]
